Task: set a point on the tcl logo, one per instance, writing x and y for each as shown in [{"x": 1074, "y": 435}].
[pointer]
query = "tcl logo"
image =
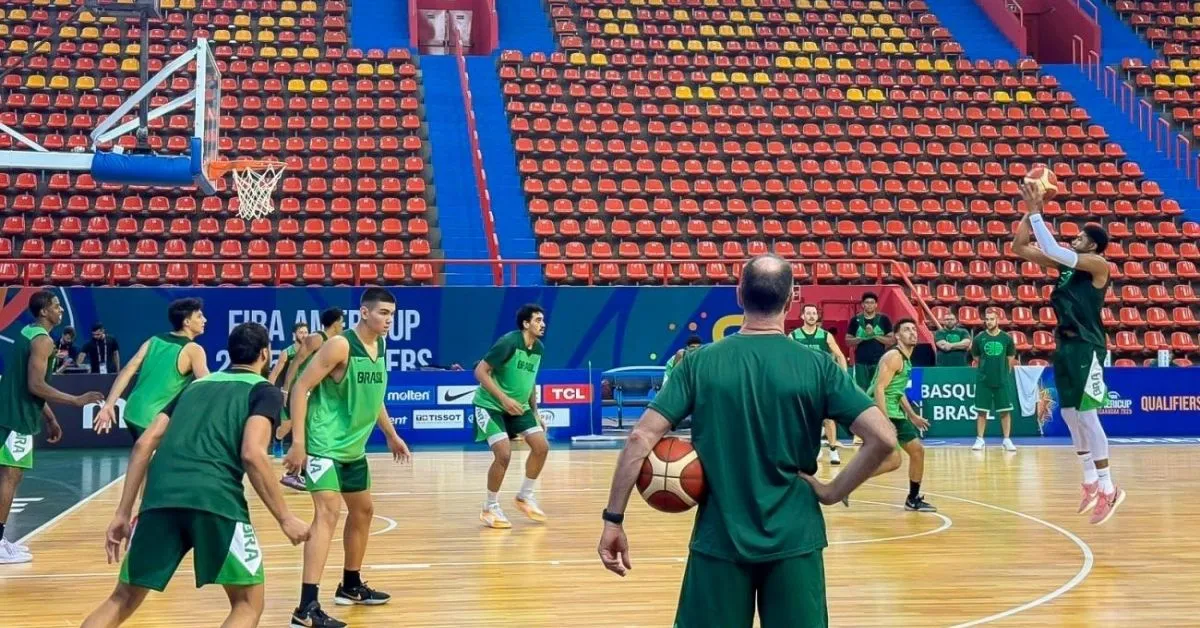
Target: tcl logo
[{"x": 566, "y": 393}]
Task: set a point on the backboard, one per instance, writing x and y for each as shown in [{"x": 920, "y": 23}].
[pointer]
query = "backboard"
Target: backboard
[{"x": 208, "y": 111}]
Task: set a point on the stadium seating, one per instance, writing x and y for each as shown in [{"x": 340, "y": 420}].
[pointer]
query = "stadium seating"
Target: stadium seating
[
  {"x": 825, "y": 129},
  {"x": 353, "y": 206},
  {"x": 1171, "y": 83}
]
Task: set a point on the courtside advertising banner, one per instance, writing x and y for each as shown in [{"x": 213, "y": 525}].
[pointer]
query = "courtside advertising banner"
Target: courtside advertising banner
[{"x": 1146, "y": 402}]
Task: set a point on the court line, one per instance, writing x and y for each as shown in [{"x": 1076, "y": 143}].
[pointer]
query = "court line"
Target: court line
[
  {"x": 1088, "y": 558},
  {"x": 391, "y": 525},
  {"x": 60, "y": 516}
]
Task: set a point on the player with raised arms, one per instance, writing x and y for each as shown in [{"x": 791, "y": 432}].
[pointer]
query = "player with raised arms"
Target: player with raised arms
[
  {"x": 347, "y": 380},
  {"x": 192, "y": 458},
  {"x": 506, "y": 407},
  {"x": 1080, "y": 342},
  {"x": 757, "y": 401},
  {"x": 164, "y": 365},
  {"x": 25, "y": 398}
]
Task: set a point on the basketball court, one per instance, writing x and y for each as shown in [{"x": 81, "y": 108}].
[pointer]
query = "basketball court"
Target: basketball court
[{"x": 1005, "y": 547}]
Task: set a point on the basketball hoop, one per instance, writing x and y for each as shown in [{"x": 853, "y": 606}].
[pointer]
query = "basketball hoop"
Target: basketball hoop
[{"x": 254, "y": 181}]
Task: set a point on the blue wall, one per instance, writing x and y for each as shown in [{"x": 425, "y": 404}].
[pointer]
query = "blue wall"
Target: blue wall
[{"x": 379, "y": 24}]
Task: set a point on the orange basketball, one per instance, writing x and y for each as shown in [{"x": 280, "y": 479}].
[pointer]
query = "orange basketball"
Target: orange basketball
[
  {"x": 672, "y": 479},
  {"x": 1045, "y": 177}
]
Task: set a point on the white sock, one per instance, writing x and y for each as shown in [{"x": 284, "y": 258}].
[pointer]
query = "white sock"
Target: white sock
[
  {"x": 1090, "y": 474},
  {"x": 527, "y": 488},
  {"x": 493, "y": 499},
  {"x": 1106, "y": 484}
]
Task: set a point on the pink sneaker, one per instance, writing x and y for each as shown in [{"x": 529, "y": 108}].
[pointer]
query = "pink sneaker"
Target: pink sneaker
[
  {"x": 1107, "y": 505},
  {"x": 1091, "y": 493}
]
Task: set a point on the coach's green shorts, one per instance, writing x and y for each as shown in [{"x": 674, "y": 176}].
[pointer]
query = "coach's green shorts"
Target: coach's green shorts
[
  {"x": 992, "y": 401},
  {"x": 226, "y": 551},
  {"x": 1079, "y": 375},
  {"x": 905, "y": 431},
  {"x": 493, "y": 426},
  {"x": 16, "y": 450},
  {"x": 863, "y": 374},
  {"x": 326, "y": 474},
  {"x": 718, "y": 593}
]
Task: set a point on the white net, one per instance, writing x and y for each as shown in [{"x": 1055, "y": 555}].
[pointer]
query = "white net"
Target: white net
[{"x": 254, "y": 187}]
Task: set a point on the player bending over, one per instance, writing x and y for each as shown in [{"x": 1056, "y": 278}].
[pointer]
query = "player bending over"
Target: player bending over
[
  {"x": 892, "y": 379},
  {"x": 506, "y": 407},
  {"x": 25, "y": 398},
  {"x": 1080, "y": 343},
  {"x": 207, "y": 439},
  {"x": 164, "y": 365},
  {"x": 812, "y": 336},
  {"x": 348, "y": 381}
]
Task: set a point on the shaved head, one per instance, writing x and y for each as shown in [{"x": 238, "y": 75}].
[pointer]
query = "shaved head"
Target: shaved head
[{"x": 766, "y": 287}]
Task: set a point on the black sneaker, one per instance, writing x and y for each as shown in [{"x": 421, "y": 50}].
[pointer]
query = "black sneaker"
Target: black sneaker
[
  {"x": 361, "y": 594},
  {"x": 313, "y": 617},
  {"x": 919, "y": 504}
]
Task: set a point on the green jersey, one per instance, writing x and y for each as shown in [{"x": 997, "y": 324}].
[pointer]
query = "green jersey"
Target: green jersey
[
  {"x": 1077, "y": 303},
  {"x": 993, "y": 353},
  {"x": 514, "y": 367},
  {"x": 953, "y": 357},
  {"x": 20, "y": 410},
  {"x": 895, "y": 388},
  {"x": 307, "y": 360},
  {"x": 159, "y": 380},
  {"x": 757, "y": 404},
  {"x": 342, "y": 414},
  {"x": 817, "y": 341},
  {"x": 198, "y": 464}
]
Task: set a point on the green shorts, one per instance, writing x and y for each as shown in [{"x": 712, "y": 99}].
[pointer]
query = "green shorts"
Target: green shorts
[
  {"x": 226, "y": 551},
  {"x": 790, "y": 593},
  {"x": 905, "y": 431},
  {"x": 494, "y": 426},
  {"x": 326, "y": 474},
  {"x": 16, "y": 450},
  {"x": 863, "y": 374},
  {"x": 1079, "y": 375},
  {"x": 992, "y": 401}
]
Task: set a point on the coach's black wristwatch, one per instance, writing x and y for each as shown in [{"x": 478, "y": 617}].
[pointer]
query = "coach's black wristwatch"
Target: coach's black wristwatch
[{"x": 612, "y": 517}]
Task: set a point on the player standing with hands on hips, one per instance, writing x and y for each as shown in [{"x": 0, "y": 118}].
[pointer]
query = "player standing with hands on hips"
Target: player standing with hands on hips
[{"x": 757, "y": 401}]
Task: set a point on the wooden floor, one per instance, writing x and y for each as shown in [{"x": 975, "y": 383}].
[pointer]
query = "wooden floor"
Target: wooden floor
[{"x": 1006, "y": 547}]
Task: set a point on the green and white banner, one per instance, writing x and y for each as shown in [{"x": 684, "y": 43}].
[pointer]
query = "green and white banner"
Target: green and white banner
[{"x": 947, "y": 399}]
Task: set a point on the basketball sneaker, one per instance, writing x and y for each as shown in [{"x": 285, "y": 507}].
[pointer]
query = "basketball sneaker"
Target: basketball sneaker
[
  {"x": 978, "y": 446},
  {"x": 529, "y": 506},
  {"x": 1107, "y": 505},
  {"x": 1091, "y": 494},
  {"x": 834, "y": 457},
  {"x": 294, "y": 482},
  {"x": 361, "y": 594},
  {"x": 1008, "y": 445},
  {"x": 493, "y": 517},
  {"x": 918, "y": 504},
  {"x": 13, "y": 554},
  {"x": 313, "y": 617}
]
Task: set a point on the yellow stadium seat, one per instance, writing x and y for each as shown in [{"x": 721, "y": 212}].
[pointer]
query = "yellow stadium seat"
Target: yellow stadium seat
[
  {"x": 364, "y": 69},
  {"x": 707, "y": 93},
  {"x": 848, "y": 18},
  {"x": 87, "y": 18},
  {"x": 3, "y": 30},
  {"x": 41, "y": 3},
  {"x": 737, "y": 16},
  {"x": 35, "y": 81},
  {"x": 923, "y": 65},
  {"x": 287, "y": 22},
  {"x": 843, "y": 65},
  {"x": 867, "y": 18},
  {"x": 221, "y": 36},
  {"x": 791, "y": 46},
  {"x": 89, "y": 32},
  {"x": 706, "y": 30},
  {"x": 68, "y": 32},
  {"x": 1194, "y": 64},
  {"x": 675, "y": 45},
  {"x": 875, "y": 6},
  {"x": 638, "y": 3},
  {"x": 265, "y": 36},
  {"x": 803, "y": 63},
  {"x": 714, "y": 46},
  {"x": 85, "y": 83},
  {"x": 296, "y": 85},
  {"x": 822, "y": 64},
  {"x": 803, "y": 4},
  {"x": 942, "y": 65},
  {"x": 308, "y": 6},
  {"x": 612, "y": 29},
  {"x": 598, "y": 59},
  {"x": 712, "y": 3},
  {"x": 577, "y": 58},
  {"x": 187, "y": 5},
  {"x": 1001, "y": 97},
  {"x": 1162, "y": 80},
  {"x": 312, "y": 52},
  {"x": 243, "y": 37},
  {"x": 738, "y": 78},
  {"x": 791, "y": 17},
  {"x": 266, "y": 21},
  {"x": 726, "y": 31},
  {"x": 749, "y": 4},
  {"x": 60, "y": 82},
  {"x": 1182, "y": 80},
  {"x": 695, "y": 45},
  {"x": 268, "y": 52},
  {"x": 745, "y": 31},
  {"x": 810, "y": 47},
  {"x": 605, "y": 14},
  {"x": 17, "y": 15},
  {"x": 683, "y": 92},
  {"x": 855, "y": 94},
  {"x": 783, "y": 63},
  {"x": 761, "y": 78},
  {"x": 625, "y": 14},
  {"x": 886, "y": 20},
  {"x": 821, "y": 5},
  {"x": 133, "y": 50},
  {"x": 111, "y": 49},
  {"x": 756, "y": 17},
  {"x": 681, "y": 15},
  {"x": 241, "y": 20},
  {"x": 1025, "y": 97},
  {"x": 876, "y": 95},
  {"x": 167, "y": 4},
  {"x": 129, "y": 65},
  {"x": 718, "y": 77},
  {"x": 906, "y": 48},
  {"x": 887, "y": 48},
  {"x": 1178, "y": 64},
  {"x": 288, "y": 6},
  {"x": 18, "y": 45},
  {"x": 896, "y": 33},
  {"x": 656, "y": 3},
  {"x": 1182, "y": 21},
  {"x": 878, "y": 33},
  {"x": 630, "y": 29},
  {"x": 318, "y": 86},
  {"x": 291, "y": 52}
]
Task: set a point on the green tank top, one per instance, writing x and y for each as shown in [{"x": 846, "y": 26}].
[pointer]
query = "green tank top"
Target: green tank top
[
  {"x": 20, "y": 410},
  {"x": 159, "y": 380},
  {"x": 895, "y": 388},
  {"x": 515, "y": 368},
  {"x": 307, "y": 359},
  {"x": 1077, "y": 303},
  {"x": 817, "y": 341},
  {"x": 290, "y": 352},
  {"x": 341, "y": 414}
]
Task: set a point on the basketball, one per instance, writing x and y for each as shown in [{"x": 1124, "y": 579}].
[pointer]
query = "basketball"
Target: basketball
[
  {"x": 1045, "y": 177},
  {"x": 672, "y": 479}
]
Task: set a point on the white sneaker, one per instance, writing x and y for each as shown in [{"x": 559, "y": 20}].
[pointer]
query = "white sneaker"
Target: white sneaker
[
  {"x": 834, "y": 457},
  {"x": 1008, "y": 445},
  {"x": 11, "y": 554},
  {"x": 978, "y": 446},
  {"x": 493, "y": 517}
]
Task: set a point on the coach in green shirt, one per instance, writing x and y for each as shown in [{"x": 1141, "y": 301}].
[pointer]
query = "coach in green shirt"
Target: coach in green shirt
[{"x": 953, "y": 342}]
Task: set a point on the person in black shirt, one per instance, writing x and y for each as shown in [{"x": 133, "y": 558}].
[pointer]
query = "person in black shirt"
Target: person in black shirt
[
  {"x": 102, "y": 352},
  {"x": 66, "y": 351},
  {"x": 869, "y": 335}
]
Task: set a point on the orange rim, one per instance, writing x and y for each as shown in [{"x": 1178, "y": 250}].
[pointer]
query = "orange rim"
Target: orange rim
[{"x": 220, "y": 167}]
